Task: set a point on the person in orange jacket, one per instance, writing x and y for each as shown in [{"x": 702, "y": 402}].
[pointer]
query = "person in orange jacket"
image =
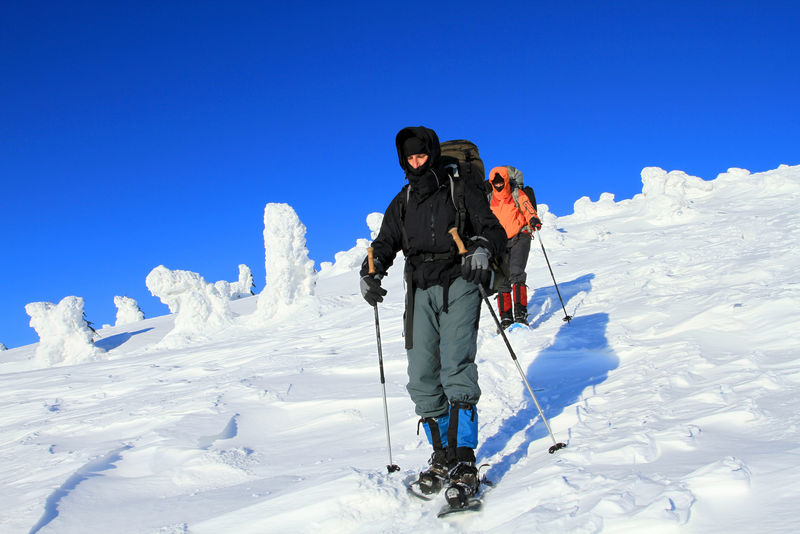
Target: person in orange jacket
[{"x": 517, "y": 214}]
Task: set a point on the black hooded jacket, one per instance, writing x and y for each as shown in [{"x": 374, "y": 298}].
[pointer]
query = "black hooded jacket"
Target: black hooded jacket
[{"x": 427, "y": 213}]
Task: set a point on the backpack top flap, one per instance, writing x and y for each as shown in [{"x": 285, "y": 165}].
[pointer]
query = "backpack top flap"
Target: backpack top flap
[
  {"x": 471, "y": 168},
  {"x": 515, "y": 175}
]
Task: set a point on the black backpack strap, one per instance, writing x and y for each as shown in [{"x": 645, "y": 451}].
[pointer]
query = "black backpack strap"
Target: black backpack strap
[
  {"x": 457, "y": 194},
  {"x": 531, "y": 196},
  {"x": 403, "y": 203}
]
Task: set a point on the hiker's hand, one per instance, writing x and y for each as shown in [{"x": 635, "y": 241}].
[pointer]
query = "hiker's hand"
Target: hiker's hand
[
  {"x": 380, "y": 272},
  {"x": 475, "y": 265},
  {"x": 535, "y": 223},
  {"x": 371, "y": 289}
]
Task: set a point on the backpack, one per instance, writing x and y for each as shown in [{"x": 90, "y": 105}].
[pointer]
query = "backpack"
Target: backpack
[
  {"x": 516, "y": 180},
  {"x": 461, "y": 157}
]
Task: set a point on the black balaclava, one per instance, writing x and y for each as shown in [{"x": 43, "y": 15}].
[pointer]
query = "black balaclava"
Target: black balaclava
[
  {"x": 415, "y": 145},
  {"x": 498, "y": 182}
]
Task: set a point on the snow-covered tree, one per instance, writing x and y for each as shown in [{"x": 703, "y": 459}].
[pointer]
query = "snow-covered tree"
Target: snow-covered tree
[
  {"x": 374, "y": 221},
  {"x": 239, "y": 289},
  {"x": 3, "y": 347},
  {"x": 244, "y": 287},
  {"x": 127, "y": 310},
  {"x": 347, "y": 260},
  {"x": 199, "y": 308},
  {"x": 290, "y": 275},
  {"x": 65, "y": 336}
]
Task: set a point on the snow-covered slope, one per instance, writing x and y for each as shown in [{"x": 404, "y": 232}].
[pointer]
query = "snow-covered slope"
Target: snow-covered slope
[{"x": 676, "y": 387}]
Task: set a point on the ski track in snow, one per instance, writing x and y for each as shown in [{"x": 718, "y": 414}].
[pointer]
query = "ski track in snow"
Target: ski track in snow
[{"x": 675, "y": 387}]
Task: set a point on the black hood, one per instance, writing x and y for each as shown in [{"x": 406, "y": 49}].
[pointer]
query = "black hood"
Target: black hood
[{"x": 427, "y": 135}]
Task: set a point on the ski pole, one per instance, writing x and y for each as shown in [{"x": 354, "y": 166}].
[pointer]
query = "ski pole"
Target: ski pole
[
  {"x": 463, "y": 250},
  {"x": 391, "y": 467},
  {"x": 567, "y": 318}
]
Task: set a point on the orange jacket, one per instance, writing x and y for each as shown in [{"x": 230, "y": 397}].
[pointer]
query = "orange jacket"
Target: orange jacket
[{"x": 512, "y": 218}]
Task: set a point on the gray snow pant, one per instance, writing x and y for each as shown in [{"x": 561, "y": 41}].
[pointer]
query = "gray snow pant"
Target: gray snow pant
[
  {"x": 517, "y": 250},
  {"x": 441, "y": 363}
]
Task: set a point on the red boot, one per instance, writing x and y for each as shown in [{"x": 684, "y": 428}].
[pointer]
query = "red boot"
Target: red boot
[
  {"x": 520, "y": 303},
  {"x": 504, "y": 307}
]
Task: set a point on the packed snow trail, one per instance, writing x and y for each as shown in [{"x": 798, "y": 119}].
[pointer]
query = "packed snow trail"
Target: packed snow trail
[{"x": 676, "y": 387}]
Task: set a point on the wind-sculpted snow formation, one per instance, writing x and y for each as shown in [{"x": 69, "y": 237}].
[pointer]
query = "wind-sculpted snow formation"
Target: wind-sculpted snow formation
[
  {"x": 675, "y": 387},
  {"x": 240, "y": 289},
  {"x": 290, "y": 275},
  {"x": 64, "y": 335},
  {"x": 200, "y": 310},
  {"x": 348, "y": 260},
  {"x": 127, "y": 311}
]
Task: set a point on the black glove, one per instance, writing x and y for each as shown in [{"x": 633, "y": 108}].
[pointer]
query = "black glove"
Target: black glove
[
  {"x": 535, "y": 223},
  {"x": 475, "y": 263},
  {"x": 371, "y": 288}
]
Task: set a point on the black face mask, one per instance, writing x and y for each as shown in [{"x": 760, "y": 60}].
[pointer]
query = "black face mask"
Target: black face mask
[
  {"x": 419, "y": 171},
  {"x": 498, "y": 183}
]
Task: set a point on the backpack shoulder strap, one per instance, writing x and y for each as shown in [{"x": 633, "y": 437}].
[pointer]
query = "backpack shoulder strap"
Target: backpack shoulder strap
[
  {"x": 405, "y": 194},
  {"x": 457, "y": 195}
]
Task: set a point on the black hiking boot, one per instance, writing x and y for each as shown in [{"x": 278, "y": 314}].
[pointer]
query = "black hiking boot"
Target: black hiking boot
[
  {"x": 520, "y": 315},
  {"x": 432, "y": 479},
  {"x": 463, "y": 484}
]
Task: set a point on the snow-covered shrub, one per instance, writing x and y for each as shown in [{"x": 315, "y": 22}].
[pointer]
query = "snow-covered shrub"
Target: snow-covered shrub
[
  {"x": 127, "y": 310},
  {"x": 3, "y": 347},
  {"x": 65, "y": 335},
  {"x": 244, "y": 287},
  {"x": 290, "y": 276},
  {"x": 584, "y": 208},
  {"x": 198, "y": 306},
  {"x": 374, "y": 221},
  {"x": 668, "y": 196}
]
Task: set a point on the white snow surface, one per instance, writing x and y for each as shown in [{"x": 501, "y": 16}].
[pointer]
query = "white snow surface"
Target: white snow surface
[{"x": 675, "y": 387}]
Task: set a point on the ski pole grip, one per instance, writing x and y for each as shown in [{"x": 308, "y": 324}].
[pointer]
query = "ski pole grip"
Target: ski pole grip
[
  {"x": 371, "y": 259},
  {"x": 457, "y": 238}
]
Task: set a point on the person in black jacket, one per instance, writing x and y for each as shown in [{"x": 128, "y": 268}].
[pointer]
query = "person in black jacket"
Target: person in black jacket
[{"x": 442, "y": 304}]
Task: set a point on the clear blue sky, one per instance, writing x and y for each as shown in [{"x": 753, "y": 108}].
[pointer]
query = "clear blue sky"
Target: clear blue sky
[{"x": 145, "y": 133}]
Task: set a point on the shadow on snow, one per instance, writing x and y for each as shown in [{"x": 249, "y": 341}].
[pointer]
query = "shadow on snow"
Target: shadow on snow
[
  {"x": 112, "y": 342},
  {"x": 578, "y": 358},
  {"x": 91, "y": 469},
  {"x": 544, "y": 295}
]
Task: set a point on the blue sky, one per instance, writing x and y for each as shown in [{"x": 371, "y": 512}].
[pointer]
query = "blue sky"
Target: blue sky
[{"x": 146, "y": 133}]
